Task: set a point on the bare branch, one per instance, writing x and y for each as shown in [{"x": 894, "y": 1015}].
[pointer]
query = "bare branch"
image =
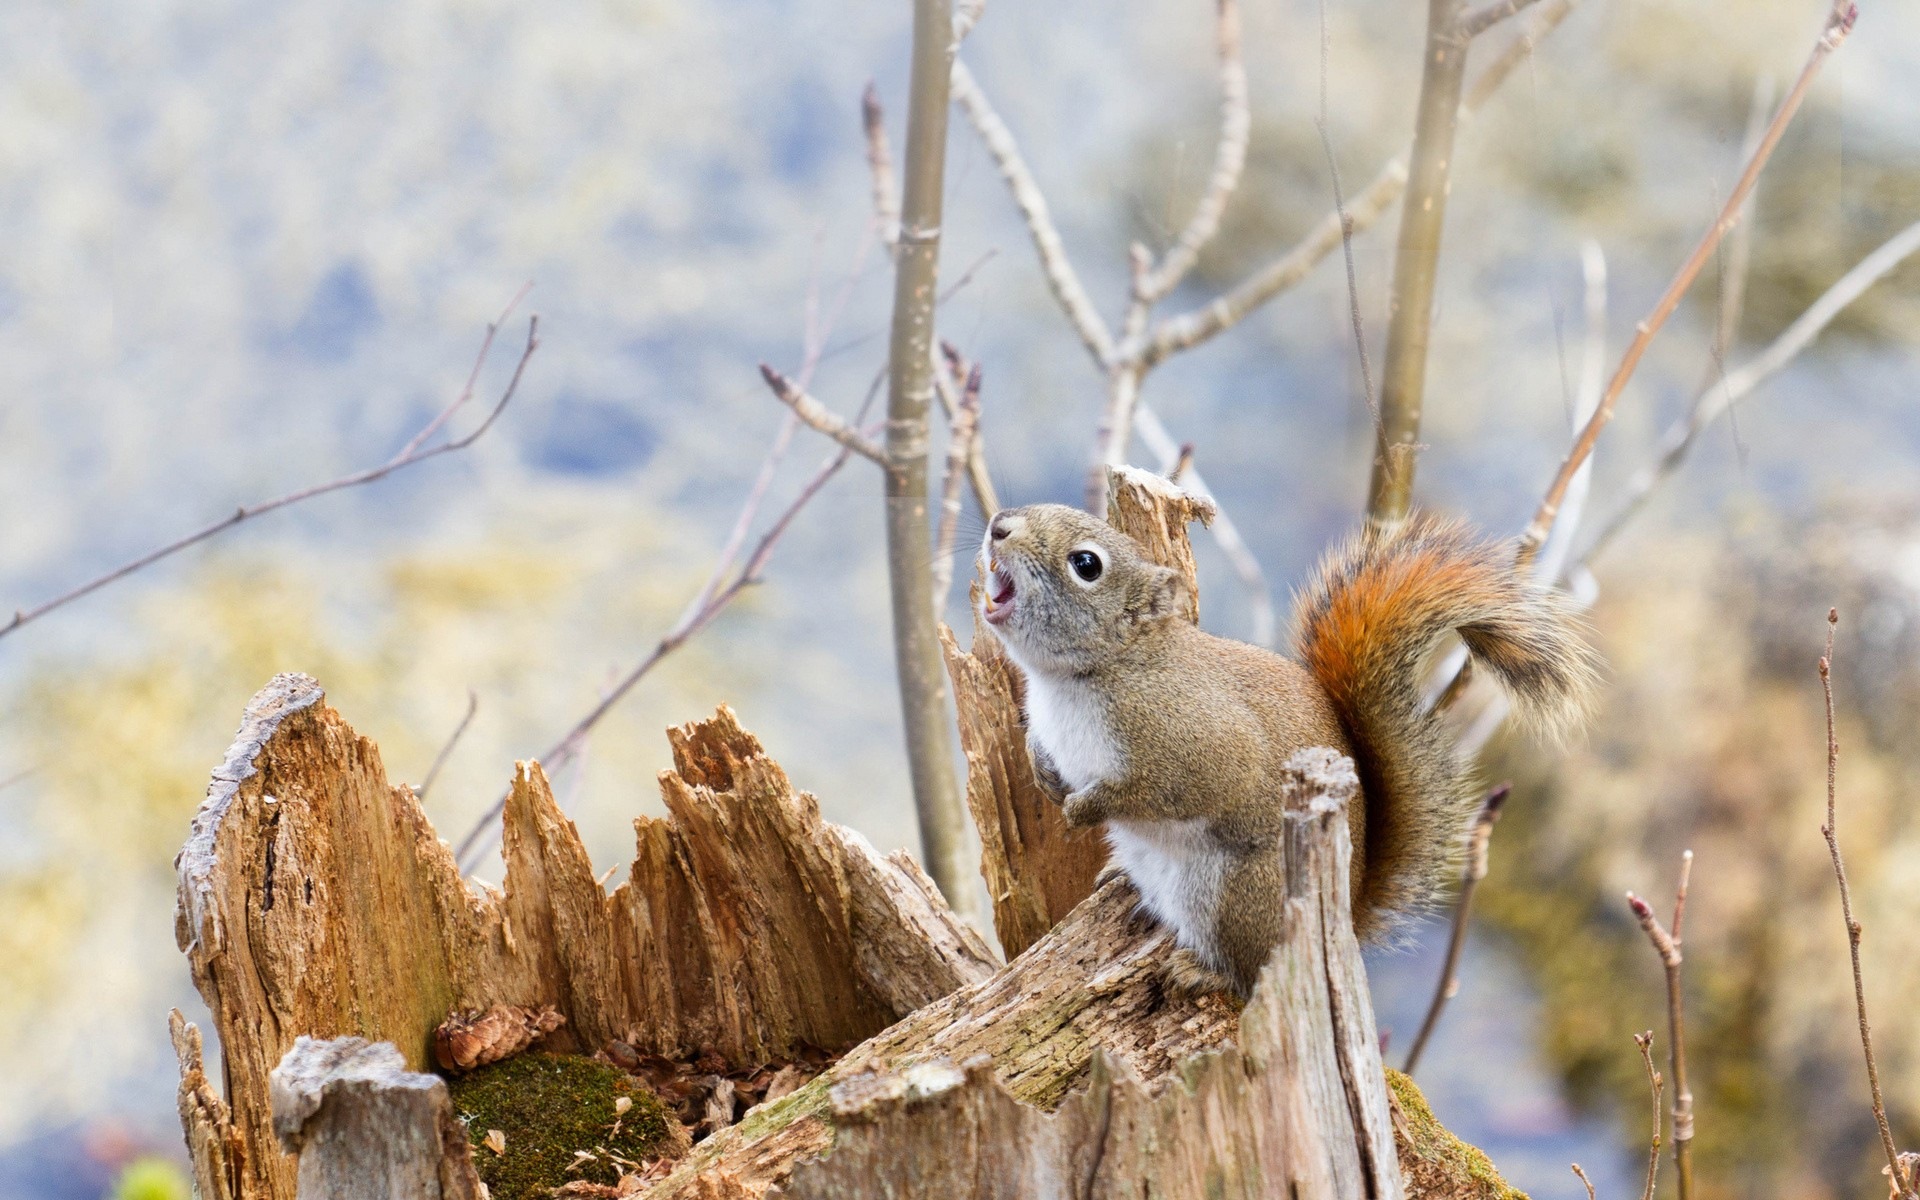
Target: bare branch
[
  {"x": 411, "y": 454},
  {"x": 1739, "y": 251},
  {"x": 1667, "y": 946},
  {"x": 1227, "y": 310},
  {"x": 960, "y": 441},
  {"x": 1645, "y": 1042},
  {"x": 1416, "y": 265},
  {"x": 1475, "y": 22},
  {"x": 1229, "y": 158},
  {"x": 916, "y": 635},
  {"x": 1854, "y": 929},
  {"x": 978, "y": 480},
  {"x": 446, "y": 750},
  {"x": 1585, "y": 1180},
  {"x": 1061, "y": 277},
  {"x": 1558, "y": 552},
  {"x": 720, "y": 590},
  {"x": 1470, "y": 877},
  {"x": 821, "y": 419},
  {"x": 1225, "y": 533},
  {"x": 1839, "y": 25},
  {"x": 1680, "y": 437},
  {"x": 1190, "y": 329},
  {"x": 886, "y": 190},
  {"x": 966, "y": 15}
]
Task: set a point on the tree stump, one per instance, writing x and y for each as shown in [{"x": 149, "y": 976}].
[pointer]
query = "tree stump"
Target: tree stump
[{"x": 366, "y": 1128}]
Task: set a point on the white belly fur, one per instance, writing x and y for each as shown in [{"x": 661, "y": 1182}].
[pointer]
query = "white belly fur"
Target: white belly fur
[
  {"x": 1175, "y": 865},
  {"x": 1070, "y": 723},
  {"x": 1178, "y": 870}
]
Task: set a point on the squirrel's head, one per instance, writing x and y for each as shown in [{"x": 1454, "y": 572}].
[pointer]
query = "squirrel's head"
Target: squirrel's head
[{"x": 1065, "y": 590}]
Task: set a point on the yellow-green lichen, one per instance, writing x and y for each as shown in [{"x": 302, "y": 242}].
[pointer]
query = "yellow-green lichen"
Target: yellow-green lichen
[
  {"x": 1435, "y": 1162},
  {"x": 550, "y": 1107}
]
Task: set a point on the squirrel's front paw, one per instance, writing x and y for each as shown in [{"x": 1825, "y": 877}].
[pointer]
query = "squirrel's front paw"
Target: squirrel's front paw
[{"x": 1084, "y": 808}]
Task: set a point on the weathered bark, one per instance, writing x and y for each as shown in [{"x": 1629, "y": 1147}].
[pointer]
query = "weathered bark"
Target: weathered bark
[
  {"x": 1036, "y": 866},
  {"x": 365, "y": 1128},
  {"x": 214, "y": 1146},
  {"x": 315, "y": 899}
]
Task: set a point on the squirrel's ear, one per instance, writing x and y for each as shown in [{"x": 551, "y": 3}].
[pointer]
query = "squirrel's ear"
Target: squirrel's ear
[{"x": 1166, "y": 595}]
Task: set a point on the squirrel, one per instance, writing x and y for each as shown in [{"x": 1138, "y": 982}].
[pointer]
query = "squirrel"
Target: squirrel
[{"x": 1174, "y": 738}]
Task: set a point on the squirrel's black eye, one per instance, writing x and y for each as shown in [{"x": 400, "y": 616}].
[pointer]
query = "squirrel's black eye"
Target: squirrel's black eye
[{"x": 1086, "y": 564}]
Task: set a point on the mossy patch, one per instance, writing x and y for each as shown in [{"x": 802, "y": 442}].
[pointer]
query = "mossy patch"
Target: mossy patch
[
  {"x": 550, "y": 1107},
  {"x": 1436, "y": 1163}
]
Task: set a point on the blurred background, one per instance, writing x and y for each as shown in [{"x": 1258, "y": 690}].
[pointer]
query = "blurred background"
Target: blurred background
[{"x": 249, "y": 247}]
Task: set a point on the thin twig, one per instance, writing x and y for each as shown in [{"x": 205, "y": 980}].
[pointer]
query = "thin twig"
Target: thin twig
[
  {"x": 1559, "y": 548},
  {"x": 446, "y": 750},
  {"x": 414, "y": 452},
  {"x": 480, "y": 837},
  {"x": 1477, "y": 21},
  {"x": 1346, "y": 238},
  {"x": 1839, "y": 25},
  {"x": 1470, "y": 877},
  {"x": 1645, "y": 1042},
  {"x": 1737, "y": 261},
  {"x": 1062, "y": 279},
  {"x": 947, "y": 388},
  {"x": 1854, "y": 928},
  {"x": 813, "y": 351},
  {"x": 886, "y": 190},
  {"x": 960, "y": 439},
  {"x": 1368, "y": 206},
  {"x": 1585, "y": 1180},
  {"x": 1680, "y": 437},
  {"x": 1667, "y": 946},
  {"x": 1240, "y": 556},
  {"x": 821, "y": 419},
  {"x": 1229, "y": 158}
]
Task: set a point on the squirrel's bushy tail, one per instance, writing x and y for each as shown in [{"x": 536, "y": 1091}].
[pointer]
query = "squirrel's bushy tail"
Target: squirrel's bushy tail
[{"x": 1366, "y": 626}]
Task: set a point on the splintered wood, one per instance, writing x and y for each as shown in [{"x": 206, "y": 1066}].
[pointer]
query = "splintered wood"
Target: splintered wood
[{"x": 315, "y": 899}]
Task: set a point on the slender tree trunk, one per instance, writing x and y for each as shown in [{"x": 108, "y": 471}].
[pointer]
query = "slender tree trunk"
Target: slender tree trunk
[
  {"x": 1416, "y": 264},
  {"x": 916, "y": 642}
]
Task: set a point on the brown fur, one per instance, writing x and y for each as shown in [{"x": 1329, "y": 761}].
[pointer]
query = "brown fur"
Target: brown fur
[{"x": 1156, "y": 725}]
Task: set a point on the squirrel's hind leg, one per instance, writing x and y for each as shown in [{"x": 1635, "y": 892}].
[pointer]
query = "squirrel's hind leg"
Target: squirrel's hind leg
[
  {"x": 1188, "y": 974},
  {"x": 1247, "y": 925}
]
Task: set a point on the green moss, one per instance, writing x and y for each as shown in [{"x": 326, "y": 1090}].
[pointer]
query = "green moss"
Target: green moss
[
  {"x": 549, "y": 1107},
  {"x": 1431, "y": 1156}
]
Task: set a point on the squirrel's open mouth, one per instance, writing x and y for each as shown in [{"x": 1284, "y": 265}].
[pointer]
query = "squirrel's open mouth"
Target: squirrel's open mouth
[{"x": 999, "y": 595}]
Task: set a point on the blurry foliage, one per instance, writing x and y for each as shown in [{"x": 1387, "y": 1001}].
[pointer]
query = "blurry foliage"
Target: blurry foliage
[
  {"x": 1812, "y": 229},
  {"x": 1717, "y": 647},
  {"x": 152, "y": 1179}
]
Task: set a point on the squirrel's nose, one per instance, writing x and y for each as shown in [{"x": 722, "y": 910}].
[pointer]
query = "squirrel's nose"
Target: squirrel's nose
[{"x": 1002, "y": 526}]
